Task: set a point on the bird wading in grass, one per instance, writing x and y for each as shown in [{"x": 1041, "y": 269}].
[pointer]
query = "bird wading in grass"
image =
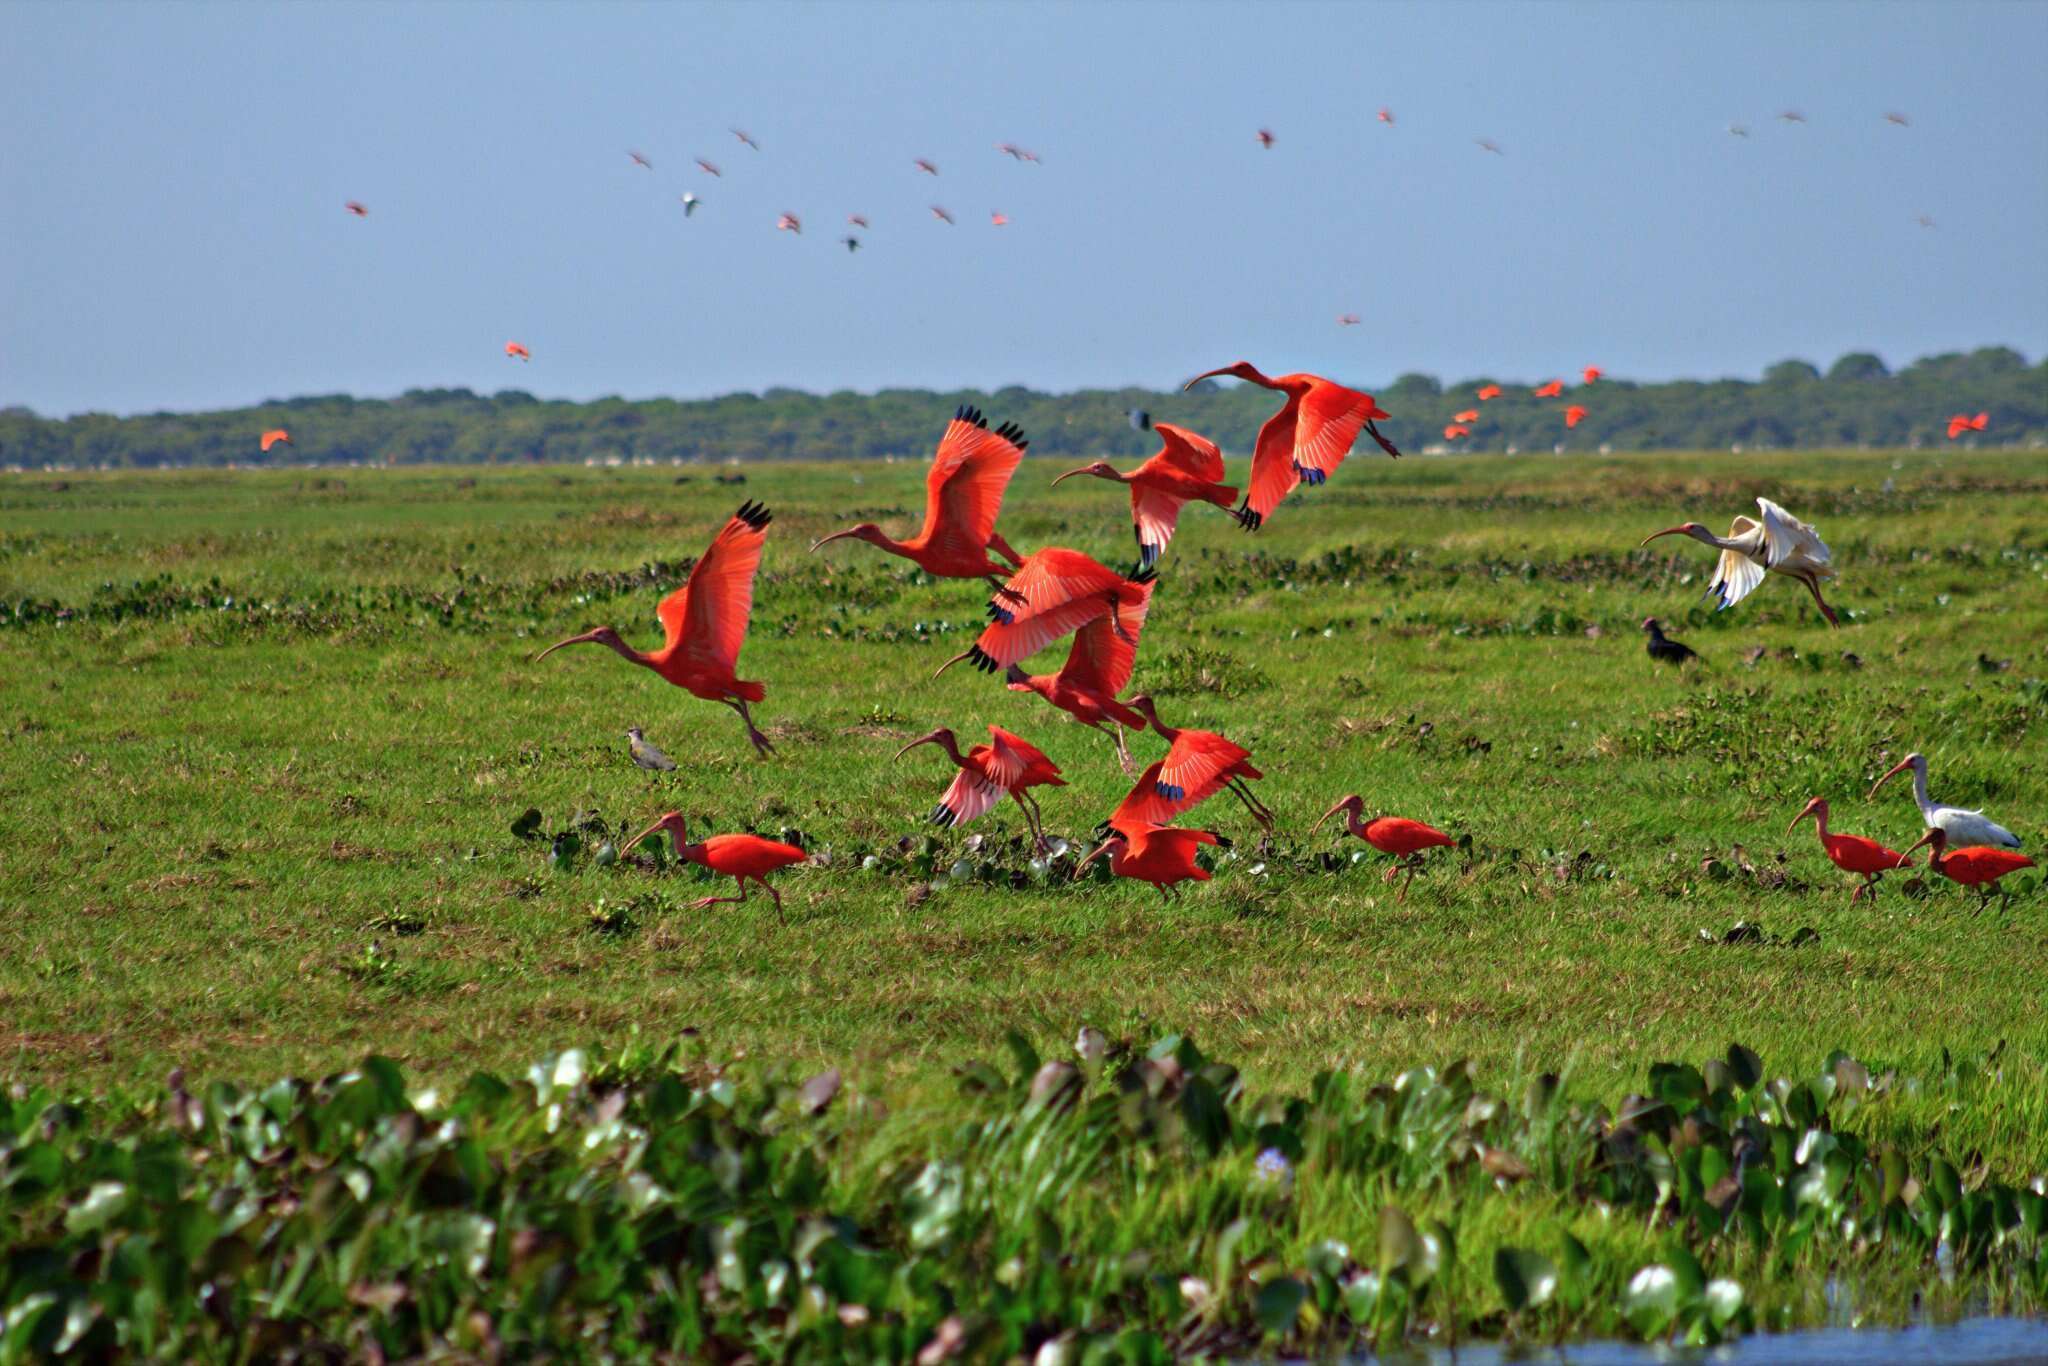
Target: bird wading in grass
[
  {"x": 1778, "y": 544},
  {"x": 743, "y": 858},
  {"x": 1198, "y": 765},
  {"x": 1851, "y": 853},
  {"x": 1162, "y": 855},
  {"x": 1404, "y": 839},
  {"x": 1963, "y": 827},
  {"x": 705, "y": 622},
  {"x": 646, "y": 753},
  {"x": 1979, "y": 867},
  {"x": 1008, "y": 763},
  {"x": 1306, "y": 440}
]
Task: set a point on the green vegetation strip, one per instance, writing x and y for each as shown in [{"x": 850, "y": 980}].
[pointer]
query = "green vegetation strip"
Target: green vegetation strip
[{"x": 1137, "y": 1204}]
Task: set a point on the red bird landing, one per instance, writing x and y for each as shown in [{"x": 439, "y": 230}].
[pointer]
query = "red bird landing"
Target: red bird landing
[
  {"x": 1158, "y": 854},
  {"x": 1198, "y": 765},
  {"x": 1963, "y": 422},
  {"x": 1306, "y": 440},
  {"x": 1009, "y": 763},
  {"x": 1851, "y": 853},
  {"x": 739, "y": 857},
  {"x": 1404, "y": 839},
  {"x": 1980, "y": 867},
  {"x": 705, "y": 622},
  {"x": 1187, "y": 467}
]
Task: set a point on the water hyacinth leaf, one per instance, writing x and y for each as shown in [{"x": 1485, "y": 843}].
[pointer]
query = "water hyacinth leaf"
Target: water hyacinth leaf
[
  {"x": 1023, "y": 1054},
  {"x": 103, "y": 1203},
  {"x": 1226, "y": 1249},
  {"x": 1747, "y": 1067},
  {"x": 1329, "y": 1258},
  {"x": 1650, "y": 1302},
  {"x": 932, "y": 1203},
  {"x": 1525, "y": 1278},
  {"x": 1278, "y": 1304},
  {"x": 1574, "y": 1263},
  {"x": 1723, "y": 1300},
  {"x": 1400, "y": 1247}
]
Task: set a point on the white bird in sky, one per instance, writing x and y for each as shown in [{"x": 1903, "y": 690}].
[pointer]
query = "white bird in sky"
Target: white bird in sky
[
  {"x": 1780, "y": 544},
  {"x": 1962, "y": 827}
]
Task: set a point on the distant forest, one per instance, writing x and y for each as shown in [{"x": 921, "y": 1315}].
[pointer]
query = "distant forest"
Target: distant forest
[{"x": 1856, "y": 402}]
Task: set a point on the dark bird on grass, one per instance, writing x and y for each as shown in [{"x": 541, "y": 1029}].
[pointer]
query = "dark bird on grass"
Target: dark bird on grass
[
  {"x": 645, "y": 753},
  {"x": 1662, "y": 648}
]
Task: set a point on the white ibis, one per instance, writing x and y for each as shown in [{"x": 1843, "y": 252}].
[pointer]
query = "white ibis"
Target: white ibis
[
  {"x": 1962, "y": 827},
  {"x": 1779, "y": 544}
]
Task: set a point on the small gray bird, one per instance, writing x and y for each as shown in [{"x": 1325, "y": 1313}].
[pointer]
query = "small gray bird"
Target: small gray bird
[{"x": 645, "y": 754}]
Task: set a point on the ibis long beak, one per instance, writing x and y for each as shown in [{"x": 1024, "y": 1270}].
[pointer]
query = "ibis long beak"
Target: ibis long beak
[
  {"x": 931, "y": 739},
  {"x": 585, "y": 639},
  {"x": 1206, "y": 374},
  {"x": 1340, "y": 806},
  {"x": 1100, "y": 850},
  {"x": 1890, "y": 773},
  {"x": 634, "y": 843},
  {"x": 1085, "y": 469},
  {"x": 1927, "y": 838},
  {"x": 1668, "y": 531},
  {"x": 835, "y": 536},
  {"x": 951, "y": 662},
  {"x": 1797, "y": 819}
]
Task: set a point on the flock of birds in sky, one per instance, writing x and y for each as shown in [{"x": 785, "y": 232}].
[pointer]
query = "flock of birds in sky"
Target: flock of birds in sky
[{"x": 1057, "y": 593}]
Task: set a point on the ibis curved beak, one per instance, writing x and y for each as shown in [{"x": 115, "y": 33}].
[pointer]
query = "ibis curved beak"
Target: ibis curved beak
[
  {"x": 931, "y": 739},
  {"x": 1340, "y": 806},
  {"x": 1206, "y": 374},
  {"x": 1890, "y": 773},
  {"x": 1667, "y": 531},
  {"x": 1800, "y": 817},
  {"x": 585, "y": 639},
  {"x": 634, "y": 843},
  {"x": 1099, "y": 851},
  {"x": 835, "y": 536},
  {"x": 1927, "y": 838},
  {"x": 1085, "y": 469},
  {"x": 951, "y": 662}
]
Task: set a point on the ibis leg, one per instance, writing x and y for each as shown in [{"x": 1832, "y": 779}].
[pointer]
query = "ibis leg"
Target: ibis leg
[
  {"x": 1252, "y": 804},
  {"x": 761, "y": 745}
]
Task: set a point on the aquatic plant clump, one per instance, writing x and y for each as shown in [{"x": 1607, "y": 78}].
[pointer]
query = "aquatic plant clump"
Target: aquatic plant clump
[{"x": 1137, "y": 1203}]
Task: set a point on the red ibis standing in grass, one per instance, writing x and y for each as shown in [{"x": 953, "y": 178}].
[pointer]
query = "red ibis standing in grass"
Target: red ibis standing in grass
[
  {"x": 1148, "y": 852},
  {"x": 1779, "y": 544},
  {"x": 1187, "y": 468},
  {"x": 705, "y": 622},
  {"x": 963, "y": 496},
  {"x": 1851, "y": 853},
  {"x": 740, "y": 857},
  {"x": 1404, "y": 839},
  {"x": 1306, "y": 440},
  {"x": 1009, "y": 763},
  {"x": 1198, "y": 765},
  {"x": 1961, "y": 826},
  {"x": 1979, "y": 867}
]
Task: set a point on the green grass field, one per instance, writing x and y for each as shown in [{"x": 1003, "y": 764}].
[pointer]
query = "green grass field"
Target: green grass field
[{"x": 266, "y": 736}]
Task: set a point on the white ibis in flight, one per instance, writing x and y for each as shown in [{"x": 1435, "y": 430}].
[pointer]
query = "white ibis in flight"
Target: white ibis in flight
[
  {"x": 1962, "y": 827},
  {"x": 1779, "y": 544}
]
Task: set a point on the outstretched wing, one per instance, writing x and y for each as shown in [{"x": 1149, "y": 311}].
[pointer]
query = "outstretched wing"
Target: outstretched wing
[
  {"x": 707, "y": 616},
  {"x": 1154, "y": 515},
  {"x": 1787, "y": 538},
  {"x": 1274, "y": 474},
  {"x": 968, "y": 796},
  {"x": 1331, "y": 418},
  {"x": 964, "y": 490},
  {"x": 1190, "y": 452},
  {"x": 1101, "y": 659},
  {"x": 1136, "y": 812},
  {"x": 1736, "y": 575},
  {"x": 1194, "y": 769},
  {"x": 1015, "y": 759}
]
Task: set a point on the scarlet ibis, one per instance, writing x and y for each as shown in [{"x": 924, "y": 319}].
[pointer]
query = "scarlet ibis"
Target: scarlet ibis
[
  {"x": 1009, "y": 763},
  {"x": 1851, "y": 853},
  {"x": 1779, "y": 544},
  {"x": 1662, "y": 648},
  {"x": 925, "y": 166},
  {"x": 1386, "y": 115},
  {"x": 1550, "y": 390},
  {"x": 1456, "y": 432},
  {"x": 1591, "y": 373},
  {"x": 1963, "y": 422},
  {"x": 1489, "y": 145},
  {"x": 641, "y": 161},
  {"x": 1054, "y": 593},
  {"x": 1347, "y": 320},
  {"x": 1977, "y": 867},
  {"x": 357, "y": 209},
  {"x": 739, "y": 857},
  {"x": 742, "y": 135},
  {"x": 705, "y": 622},
  {"x": 942, "y": 215},
  {"x": 274, "y": 436},
  {"x": 856, "y": 220},
  {"x": 1198, "y": 765},
  {"x": 514, "y": 351},
  {"x": 1487, "y": 391},
  {"x": 1011, "y": 149},
  {"x": 963, "y": 495},
  {"x": 690, "y": 203},
  {"x": 709, "y": 169},
  {"x": 998, "y": 220},
  {"x": 1161, "y": 855},
  {"x": 789, "y": 222},
  {"x": 1186, "y": 467},
  {"x": 1469, "y": 415},
  {"x": 1404, "y": 839},
  {"x": 646, "y": 753},
  {"x": 1266, "y": 138},
  {"x": 1792, "y": 116},
  {"x": 1573, "y": 416},
  {"x": 1961, "y": 826},
  {"x": 1306, "y": 440}
]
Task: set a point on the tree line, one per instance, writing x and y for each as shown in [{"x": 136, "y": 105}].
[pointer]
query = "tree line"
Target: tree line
[{"x": 1857, "y": 401}]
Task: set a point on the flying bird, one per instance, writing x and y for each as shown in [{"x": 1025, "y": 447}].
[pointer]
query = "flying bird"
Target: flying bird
[
  {"x": 1662, "y": 648},
  {"x": 1851, "y": 853},
  {"x": 743, "y": 858},
  {"x": 1469, "y": 415},
  {"x": 997, "y": 220},
  {"x": 1008, "y": 763},
  {"x": 1488, "y": 145},
  {"x": 1779, "y": 544},
  {"x": 1977, "y": 867},
  {"x": 852, "y": 244},
  {"x": 646, "y": 754},
  {"x": 1792, "y": 116},
  {"x": 1963, "y": 422},
  {"x": 742, "y": 135},
  {"x": 1187, "y": 467},
  {"x": 1739, "y": 130},
  {"x": 921, "y": 164},
  {"x": 1590, "y": 374},
  {"x": 1386, "y": 115},
  {"x": 1456, "y": 431},
  {"x": 856, "y": 220},
  {"x": 963, "y": 496},
  {"x": 1306, "y": 440},
  {"x": 641, "y": 161},
  {"x": 1347, "y": 320},
  {"x": 1487, "y": 391},
  {"x": 1011, "y": 149},
  {"x": 690, "y": 203},
  {"x": 708, "y": 168},
  {"x": 704, "y": 623},
  {"x": 1925, "y": 221},
  {"x": 1550, "y": 390},
  {"x": 515, "y": 351},
  {"x": 274, "y": 436},
  {"x": 1198, "y": 765},
  {"x": 1899, "y": 119},
  {"x": 1961, "y": 826},
  {"x": 789, "y": 222},
  {"x": 1266, "y": 138},
  {"x": 1573, "y": 416},
  {"x": 357, "y": 209},
  {"x": 941, "y": 214},
  {"x": 1404, "y": 839},
  {"x": 1161, "y": 855}
]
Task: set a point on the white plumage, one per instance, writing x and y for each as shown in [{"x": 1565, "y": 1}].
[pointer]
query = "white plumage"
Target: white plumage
[
  {"x": 1962, "y": 827},
  {"x": 1779, "y": 544}
]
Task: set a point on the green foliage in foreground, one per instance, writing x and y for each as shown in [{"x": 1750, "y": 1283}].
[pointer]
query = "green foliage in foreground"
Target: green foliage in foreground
[
  {"x": 1858, "y": 402},
  {"x": 1129, "y": 1207}
]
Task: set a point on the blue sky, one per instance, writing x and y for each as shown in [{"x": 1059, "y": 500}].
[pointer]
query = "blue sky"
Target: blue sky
[{"x": 172, "y": 179}]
